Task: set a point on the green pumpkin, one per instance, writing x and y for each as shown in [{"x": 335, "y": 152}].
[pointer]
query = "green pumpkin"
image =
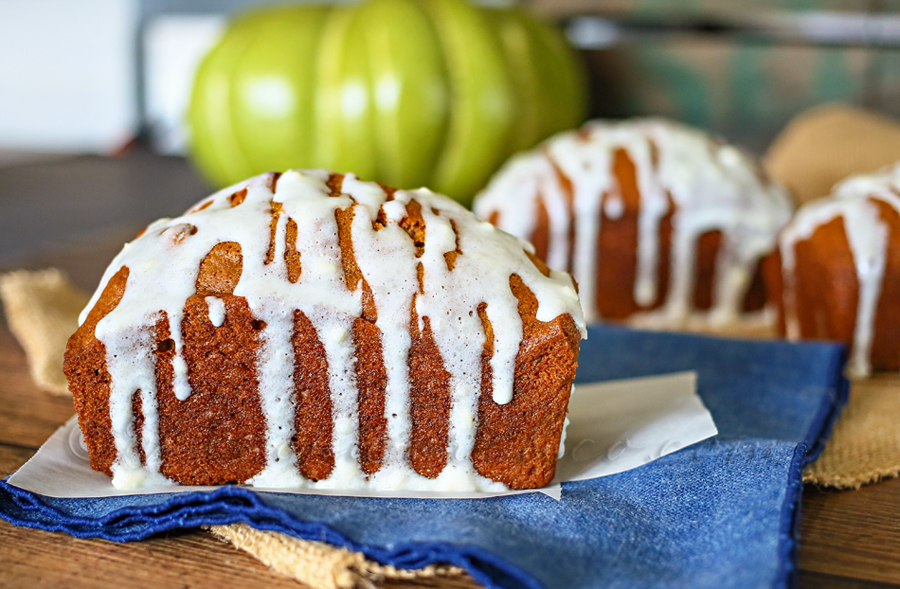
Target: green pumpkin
[{"x": 409, "y": 93}]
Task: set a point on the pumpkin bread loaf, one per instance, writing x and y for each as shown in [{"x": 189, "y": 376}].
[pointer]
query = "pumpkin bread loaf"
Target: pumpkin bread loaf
[
  {"x": 310, "y": 329},
  {"x": 837, "y": 272},
  {"x": 660, "y": 223}
]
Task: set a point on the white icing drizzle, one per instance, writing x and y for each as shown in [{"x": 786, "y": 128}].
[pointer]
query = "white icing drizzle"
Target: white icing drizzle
[
  {"x": 713, "y": 186},
  {"x": 393, "y": 295},
  {"x": 614, "y": 207},
  {"x": 852, "y": 200},
  {"x": 180, "y": 382},
  {"x": 132, "y": 360},
  {"x": 276, "y": 368},
  {"x": 216, "y": 311},
  {"x": 173, "y": 249},
  {"x": 562, "y": 437}
]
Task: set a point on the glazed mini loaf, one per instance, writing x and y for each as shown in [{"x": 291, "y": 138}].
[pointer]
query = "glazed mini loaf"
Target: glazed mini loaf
[
  {"x": 310, "y": 329},
  {"x": 658, "y": 222},
  {"x": 837, "y": 275}
]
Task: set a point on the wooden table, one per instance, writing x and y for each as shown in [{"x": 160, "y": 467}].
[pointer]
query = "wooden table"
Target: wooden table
[{"x": 75, "y": 214}]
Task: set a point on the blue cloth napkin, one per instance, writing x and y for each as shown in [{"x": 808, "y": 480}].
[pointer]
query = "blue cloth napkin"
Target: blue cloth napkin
[{"x": 722, "y": 513}]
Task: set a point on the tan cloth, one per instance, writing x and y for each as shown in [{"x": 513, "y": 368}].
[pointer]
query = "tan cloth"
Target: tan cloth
[
  {"x": 826, "y": 144},
  {"x": 865, "y": 444},
  {"x": 42, "y": 312},
  {"x": 317, "y": 564}
]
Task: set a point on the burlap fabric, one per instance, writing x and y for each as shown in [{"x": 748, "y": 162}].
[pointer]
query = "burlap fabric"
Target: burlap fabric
[
  {"x": 42, "y": 312},
  {"x": 826, "y": 144},
  {"x": 865, "y": 445},
  {"x": 317, "y": 564}
]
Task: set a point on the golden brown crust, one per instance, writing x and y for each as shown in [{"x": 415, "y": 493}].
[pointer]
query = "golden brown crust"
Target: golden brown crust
[
  {"x": 195, "y": 209},
  {"x": 886, "y": 340},
  {"x": 313, "y": 423},
  {"x": 371, "y": 383},
  {"x": 541, "y": 266},
  {"x": 540, "y": 238},
  {"x": 617, "y": 247},
  {"x": 218, "y": 434},
  {"x": 352, "y": 274},
  {"x": 774, "y": 283},
  {"x": 429, "y": 402},
  {"x": 517, "y": 443},
  {"x": 756, "y": 297},
  {"x": 220, "y": 269},
  {"x": 272, "y": 181},
  {"x": 414, "y": 225},
  {"x": 276, "y": 210},
  {"x": 88, "y": 376},
  {"x": 371, "y": 378},
  {"x": 450, "y": 257},
  {"x": 708, "y": 246},
  {"x": 238, "y": 197},
  {"x": 137, "y": 410},
  {"x": 334, "y": 183},
  {"x": 291, "y": 255},
  {"x": 825, "y": 259}
]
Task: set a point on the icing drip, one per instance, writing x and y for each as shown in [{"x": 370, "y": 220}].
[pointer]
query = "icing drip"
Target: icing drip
[
  {"x": 255, "y": 215},
  {"x": 562, "y": 438},
  {"x": 868, "y": 241},
  {"x": 613, "y": 207},
  {"x": 852, "y": 200},
  {"x": 713, "y": 188},
  {"x": 180, "y": 383},
  {"x": 393, "y": 294},
  {"x": 276, "y": 367},
  {"x": 216, "y": 311},
  {"x": 131, "y": 359}
]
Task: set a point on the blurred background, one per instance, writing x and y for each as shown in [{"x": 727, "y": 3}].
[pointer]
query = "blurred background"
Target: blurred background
[
  {"x": 91, "y": 76},
  {"x": 81, "y": 80}
]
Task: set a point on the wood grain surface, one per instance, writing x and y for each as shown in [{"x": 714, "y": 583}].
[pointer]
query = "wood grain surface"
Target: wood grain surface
[
  {"x": 852, "y": 534},
  {"x": 849, "y": 539}
]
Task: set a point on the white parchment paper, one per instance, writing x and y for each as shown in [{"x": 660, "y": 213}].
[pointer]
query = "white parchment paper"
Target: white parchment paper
[{"x": 613, "y": 427}]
